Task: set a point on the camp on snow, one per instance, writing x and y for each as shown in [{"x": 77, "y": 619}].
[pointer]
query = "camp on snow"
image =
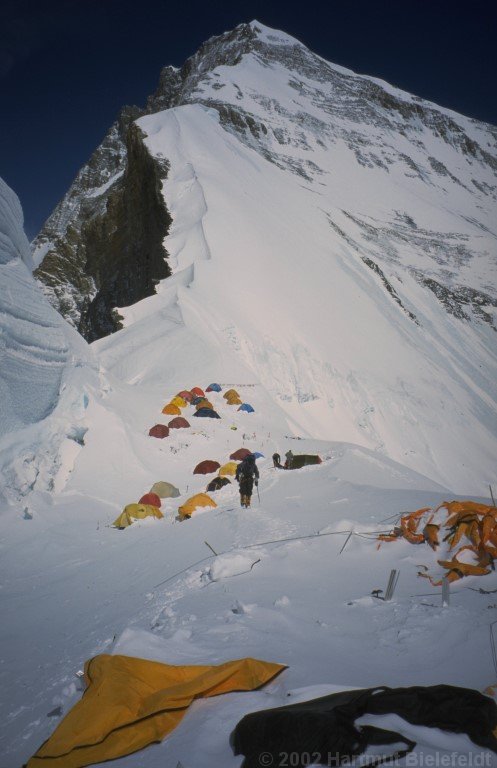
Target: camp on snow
[
  {"x": 165, "y": 490},
  {"x": 178, "y": 423},
  {"x": 136, "y": 512},
  {"x": 159, "y": 430},
  {"x": 198, "y": 501},
  {"x": 205, "y": 467},
  {"x": 207, "y": 413}
]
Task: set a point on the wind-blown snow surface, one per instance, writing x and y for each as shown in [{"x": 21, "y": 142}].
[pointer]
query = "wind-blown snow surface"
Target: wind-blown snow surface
[{"x": 44, "y": 369}]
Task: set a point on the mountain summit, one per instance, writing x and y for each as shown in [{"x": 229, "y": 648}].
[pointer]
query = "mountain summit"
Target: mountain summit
[{"x": 334, "y": 233}]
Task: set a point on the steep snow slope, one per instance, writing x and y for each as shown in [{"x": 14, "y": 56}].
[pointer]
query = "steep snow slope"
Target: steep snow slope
[
  {"x": 44, "y": 369},
  {"x": 312, "y": 322}
]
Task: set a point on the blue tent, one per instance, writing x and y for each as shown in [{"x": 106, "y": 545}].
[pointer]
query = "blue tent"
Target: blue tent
[
  {"x": 208, "y": 412},
  {"x": 213, "y": 388},
  {"x": 259, "y": 455},
  {"x": 246, "y": 407}
]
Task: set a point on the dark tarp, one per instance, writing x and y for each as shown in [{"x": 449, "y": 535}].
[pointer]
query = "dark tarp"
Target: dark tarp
[
  {"x": 208, "y": 412},
  {"x": 302, "y": 460},
  {"x": 325, "y": 726}
]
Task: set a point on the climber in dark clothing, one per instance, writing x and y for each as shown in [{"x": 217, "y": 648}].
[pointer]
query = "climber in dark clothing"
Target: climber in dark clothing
[{"x": 246, "y": 473}]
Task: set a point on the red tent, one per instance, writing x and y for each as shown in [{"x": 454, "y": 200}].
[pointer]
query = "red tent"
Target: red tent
[
  {"x": 160, "y": 430},
  {"x": 178, "y": 423},
  {"x": 150, "y": 498},
  {"x": 198, "y": 391},
  {"x": 206, "y": 467},
  {"x": 240, "y": 454},
  {"x": 185, "y": 394}
]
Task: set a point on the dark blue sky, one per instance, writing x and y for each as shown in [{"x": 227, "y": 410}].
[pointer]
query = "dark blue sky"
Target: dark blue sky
[{"x": 67, "y": 66}]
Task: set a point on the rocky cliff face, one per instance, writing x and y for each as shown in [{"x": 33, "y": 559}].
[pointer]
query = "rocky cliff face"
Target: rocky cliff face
[
  {"x": 103, "y": 243},
  {"x": 103, "y": 246}
]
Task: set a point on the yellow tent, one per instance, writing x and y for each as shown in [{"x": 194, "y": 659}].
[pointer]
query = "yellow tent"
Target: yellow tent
[
  {"x": 199, "y": 500},
  {"x": 230, "y": 393},
  {"x": 130, "y": 703},
  {"x": 179, "y": 401},
  {"x": 136, "y": 512},
  {"x": 174, "y": 410},
  {"x": 234, "y": 400},
  {"x": 228, "y": 469}
]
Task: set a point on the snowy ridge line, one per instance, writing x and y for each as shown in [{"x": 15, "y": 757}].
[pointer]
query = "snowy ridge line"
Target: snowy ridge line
[{"x": 263, "y": 543}]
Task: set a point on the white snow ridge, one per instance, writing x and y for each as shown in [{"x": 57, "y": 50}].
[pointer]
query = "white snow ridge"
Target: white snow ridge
[{"x": 333, "y": 251}]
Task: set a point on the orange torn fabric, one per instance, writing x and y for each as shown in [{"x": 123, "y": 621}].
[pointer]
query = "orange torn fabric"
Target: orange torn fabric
[{"x": 130, "y": 703}]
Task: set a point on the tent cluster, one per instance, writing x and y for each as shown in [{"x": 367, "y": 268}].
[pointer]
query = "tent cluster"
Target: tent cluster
[
  {"x": 196, "y": 399},
  {"x": 203, "y": 408},
  {"x": 468, "y": 529},
  {"x": 148, "y": 506},
  {"x": 224, "y": 472}
]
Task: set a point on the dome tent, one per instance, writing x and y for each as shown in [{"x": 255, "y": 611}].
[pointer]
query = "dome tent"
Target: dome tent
[
  {"x": 240, "y": 454},
  {"x": 171, "y": 409},
  {"x": 228, "y": 469},
  {"x": 217, "y": 483},
  {"x": 207, "y": 412},
  {"x": 213, "y": 388},
  {"x": 230, "y": 393},
  {"x": 151, "y": 498},
  {"x": 136, "y": 512},
  {"x": 159, "y": 430},
  {"x": 203, "y": 403},
  {"x": 205, "y": 467},
  {"x": 199, "y": 500},
  {"x": 198, "y": 391},
  {"x": 185, "y": 394},
  {"x": 178, "y": 423},
  {"x": 165, "y": 490},
  {"x": 246, "y": 407},
  {"x": 179, "y": 401}
]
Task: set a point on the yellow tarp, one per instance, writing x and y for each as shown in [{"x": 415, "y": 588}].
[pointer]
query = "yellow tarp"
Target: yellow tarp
[
  {"x": 199, "y": 500},
  {"x": 131, "y": 702},
  {"x": 136, "y": 512},
  {"x": 228, "y": 469}
]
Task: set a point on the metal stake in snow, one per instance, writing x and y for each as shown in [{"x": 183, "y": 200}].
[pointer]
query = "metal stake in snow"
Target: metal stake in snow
[
  {"x": 392, "y": 583},
  {"x": 492, "y": 495},
  {"x": 445, "y": 592}
]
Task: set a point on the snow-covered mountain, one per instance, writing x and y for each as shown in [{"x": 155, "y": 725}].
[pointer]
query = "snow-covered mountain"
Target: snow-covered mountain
[
  {"x": 323, "y": 242},
  {"x": 337, "y": 233}
]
